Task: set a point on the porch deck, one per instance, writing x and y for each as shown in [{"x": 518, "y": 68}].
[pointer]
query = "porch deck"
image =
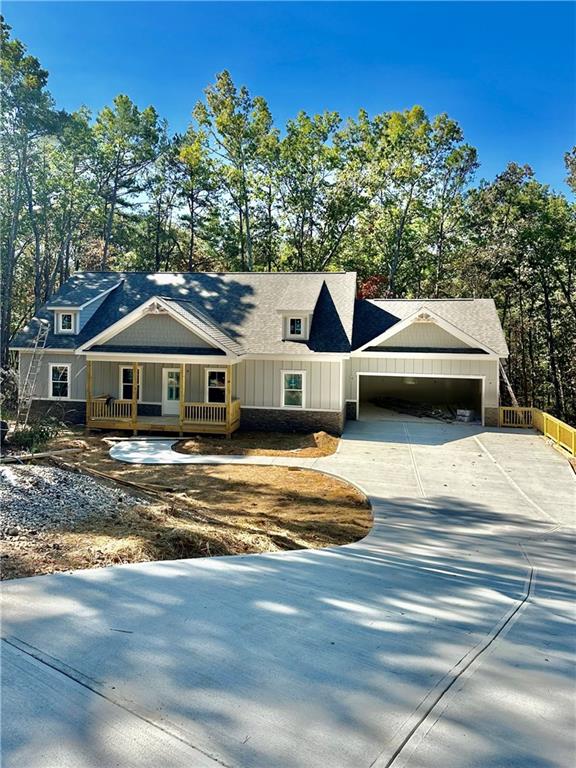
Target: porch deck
[
  {"x": 185, "y": 417},
  {"x": 211, "y": 418}
]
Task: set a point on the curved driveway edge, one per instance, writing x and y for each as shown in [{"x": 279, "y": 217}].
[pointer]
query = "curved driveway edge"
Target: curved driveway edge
[{"x": 329, "y": 657}]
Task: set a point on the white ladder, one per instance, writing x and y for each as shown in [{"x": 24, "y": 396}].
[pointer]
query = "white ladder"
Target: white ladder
[{"x": 27, "y": 393}]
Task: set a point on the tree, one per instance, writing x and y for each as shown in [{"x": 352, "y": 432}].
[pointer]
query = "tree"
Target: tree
[
  {"x": 26, "y": 114},
  {"x": 127, "y": 142},
  {"x": 570, "y": 162},
  {"x": 197, "y": 186},
  {"x": 236, "y": 124},
  {"x": 321, "y": 190}
]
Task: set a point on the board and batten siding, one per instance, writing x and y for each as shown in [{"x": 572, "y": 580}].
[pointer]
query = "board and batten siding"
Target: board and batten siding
[
  {"x": 42, "y": 388},
  {"x": 435, "y": 367},
  {"x": 159, "y": 331},
  {"x": 106, "y": 380},
  {"x": 258, "y": 383},
  {"x": 423, "y": 335}
]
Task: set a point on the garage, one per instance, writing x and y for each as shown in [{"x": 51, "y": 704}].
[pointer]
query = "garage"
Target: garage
[{"x": 391, "y": 396}]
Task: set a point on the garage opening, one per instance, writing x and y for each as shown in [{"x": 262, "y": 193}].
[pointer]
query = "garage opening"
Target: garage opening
[{"x": 385, "y": 397}]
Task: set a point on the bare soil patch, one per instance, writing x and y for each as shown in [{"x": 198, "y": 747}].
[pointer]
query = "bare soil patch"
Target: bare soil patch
[
  {"x": 166, "y": 513},
  {"x": 262, "y": 444}
]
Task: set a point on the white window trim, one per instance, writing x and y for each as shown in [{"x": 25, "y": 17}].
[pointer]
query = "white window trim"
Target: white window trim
[
  {"x": 58, "y": 322},
  {"x": 283, "y": 391},
  {"x": 207, "y": 373},
  {"x": 300, "y": 335},
  {"x": 121, "y": 382},
  {"x": 68, "y": 367},
  {"x": 304, "y": 319}
]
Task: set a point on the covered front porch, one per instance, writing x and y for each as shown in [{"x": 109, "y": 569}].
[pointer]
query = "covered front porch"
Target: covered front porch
[{"x": 146, "y": 396}]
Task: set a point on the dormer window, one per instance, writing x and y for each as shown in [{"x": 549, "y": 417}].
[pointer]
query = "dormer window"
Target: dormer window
[
  {"x": 65, "y": 322},
  {"x": 295, "y": 327}
]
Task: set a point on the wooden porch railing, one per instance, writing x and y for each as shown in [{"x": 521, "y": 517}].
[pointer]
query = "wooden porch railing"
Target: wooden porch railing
[
  {"x": 235, "y": 412},
  {"x": 516, "y": 417},
  {"x": 559, "y": 432},
  {"x": 111, "y": 409},
  {"x": 205, "y": 413}
]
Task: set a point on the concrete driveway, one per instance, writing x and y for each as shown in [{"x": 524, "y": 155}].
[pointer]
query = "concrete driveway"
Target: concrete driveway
[{"x": 445, "y": 638}]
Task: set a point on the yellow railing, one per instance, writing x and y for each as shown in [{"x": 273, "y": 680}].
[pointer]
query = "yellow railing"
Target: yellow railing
[
  {"x": 205, "y": 413},
  {"x": 559, "y": 432},
  {"x": 110, "y": 409}
]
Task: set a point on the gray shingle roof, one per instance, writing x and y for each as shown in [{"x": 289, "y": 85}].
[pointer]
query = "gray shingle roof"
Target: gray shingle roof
[
  {"x": 83, "y": 287},
  {"x": 240, "y": 310},
  {"x": 476, "y": 317},
  {"x": 243, "y": 307}
]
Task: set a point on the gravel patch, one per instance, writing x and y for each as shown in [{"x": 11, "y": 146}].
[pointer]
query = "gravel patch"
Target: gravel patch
[{"x": 34, "y": 499}]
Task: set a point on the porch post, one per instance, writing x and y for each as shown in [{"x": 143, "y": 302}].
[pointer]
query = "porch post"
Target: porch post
[
  {"x": 182, "y": 394},
  {"x": 134, "y": 407},
  {"x": 88, "y": 395},
  {"x": 229, "y": 401}
]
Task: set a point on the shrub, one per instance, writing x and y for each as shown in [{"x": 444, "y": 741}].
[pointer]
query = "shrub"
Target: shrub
[
  {"x": 36, "y": 434},
  {"x": 8, "y": 391}
]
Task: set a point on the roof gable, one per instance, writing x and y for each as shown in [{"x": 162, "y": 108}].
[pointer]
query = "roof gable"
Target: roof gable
[
  {"x": 474, "y": 322},
  {"x": 422, "y": 334},
  {"x": 147, "y": 324}
]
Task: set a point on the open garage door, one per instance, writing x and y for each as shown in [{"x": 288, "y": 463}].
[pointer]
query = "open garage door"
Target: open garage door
[{"x": 386, "y": 396}]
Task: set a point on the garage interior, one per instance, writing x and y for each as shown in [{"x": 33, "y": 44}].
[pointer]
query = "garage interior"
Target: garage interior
[{"x": 402, "y": 397}]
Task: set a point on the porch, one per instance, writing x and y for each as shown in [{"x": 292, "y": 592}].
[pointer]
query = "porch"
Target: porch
[{"x": 219, "y": 413}]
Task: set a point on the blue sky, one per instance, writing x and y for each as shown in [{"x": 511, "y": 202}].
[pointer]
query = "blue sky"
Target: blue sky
[{"x": 505, "y": 71}]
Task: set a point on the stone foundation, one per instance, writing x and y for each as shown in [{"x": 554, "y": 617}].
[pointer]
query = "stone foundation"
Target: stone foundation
[
  {"x": 351, "y": 411},
  {"x": 265, "y": 420},
  {"x": 491, "y": 417},
  {"x": 68, "y": 411}
]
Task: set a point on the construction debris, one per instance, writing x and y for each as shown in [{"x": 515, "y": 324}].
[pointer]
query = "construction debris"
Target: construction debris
[{"x": 445, "y": 413}]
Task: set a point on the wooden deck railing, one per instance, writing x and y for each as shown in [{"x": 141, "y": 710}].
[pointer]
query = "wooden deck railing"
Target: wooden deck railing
[
  {"x": 205, "y": 413},
  {"x": 235, "y": 412},
  {"x": 516, "y": 417},
  {"x": 206, "y": 417},
  {"x": 559, "y": 432},
  {"x": 111, "y": 409}
]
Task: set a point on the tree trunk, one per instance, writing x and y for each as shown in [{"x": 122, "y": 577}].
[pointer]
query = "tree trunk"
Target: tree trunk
[
  {"x": 111, "y": 207},
  {"x": 249, "y": 254},
  {"x": 552, "y": 347},
  {"x": 37, "y": 243}
]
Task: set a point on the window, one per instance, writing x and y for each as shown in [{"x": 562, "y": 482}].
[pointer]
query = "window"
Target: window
[
  {"x": 60, "y": 381},
  {"x": 215, "y": 386},
  {"x": 65, "y": 322},
  {"x": 127, "y": 381},
  {"x": 295, "y": 326},
  {"x": 293, "y": 389}
]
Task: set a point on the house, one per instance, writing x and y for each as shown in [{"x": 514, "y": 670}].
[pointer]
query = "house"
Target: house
[{"x": 192, "y": 352}]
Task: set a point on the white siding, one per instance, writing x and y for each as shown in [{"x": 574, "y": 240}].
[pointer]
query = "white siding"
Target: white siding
[
  {"x": 258, "y": 383},
  {"x": 254, "y": 382},
  {"x": 435, "y": 367},
  {"x": 157, "y": 330},
  {"x": 42, "y": 388},
  {"x": 423, "y": 335}
]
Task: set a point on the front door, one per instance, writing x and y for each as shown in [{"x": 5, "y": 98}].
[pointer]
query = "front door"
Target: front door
[{"x": 170, "y": 391}]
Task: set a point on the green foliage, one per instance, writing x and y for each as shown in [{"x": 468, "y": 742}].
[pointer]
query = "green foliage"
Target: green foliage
[
  {"x": 37, "y": 434},
  {"x": 390, "y": 196}
]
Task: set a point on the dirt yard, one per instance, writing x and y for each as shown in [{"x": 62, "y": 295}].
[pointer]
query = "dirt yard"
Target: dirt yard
[
  {"x": 263, "y": 444},
  {"x": 164, "y": 513}
]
